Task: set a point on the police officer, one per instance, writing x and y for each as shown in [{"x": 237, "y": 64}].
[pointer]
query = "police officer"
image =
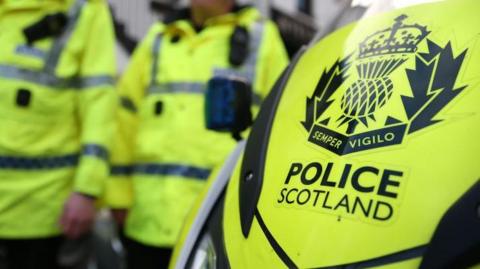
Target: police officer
[
  {"x": 57, "y": 105},
  {"x": 162, "y": 97},
  {"x": 364, "y": 155}
]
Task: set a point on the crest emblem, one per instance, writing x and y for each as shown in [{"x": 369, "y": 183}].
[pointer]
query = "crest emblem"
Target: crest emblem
[{"x": 380, "y": 56}]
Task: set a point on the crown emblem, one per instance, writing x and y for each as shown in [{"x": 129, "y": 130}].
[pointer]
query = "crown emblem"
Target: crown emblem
[
  {"x": 355, "y": 105},
  {"x": 380, "y": 54},
  {"x": 400, "y": 38}
]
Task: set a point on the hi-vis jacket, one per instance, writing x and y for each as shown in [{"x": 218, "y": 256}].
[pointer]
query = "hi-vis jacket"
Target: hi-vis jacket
[
  {"x": 382, "y": 167},
  {"x": 364, "y": 155},
  {"x": 56, "y": 108},
  {"x": 162, "y": 114}
]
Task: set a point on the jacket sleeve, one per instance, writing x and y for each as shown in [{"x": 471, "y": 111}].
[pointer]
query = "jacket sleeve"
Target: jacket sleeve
[
  {"x": 273, "y": 59},
  {"x": 96, "y": 96},
  {"x": 131, "y": 88}
]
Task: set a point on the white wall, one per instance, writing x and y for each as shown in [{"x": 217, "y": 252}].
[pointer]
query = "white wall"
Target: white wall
[
  {"x": 137, "y": 17},
  {"x": 136, "y": 14}
]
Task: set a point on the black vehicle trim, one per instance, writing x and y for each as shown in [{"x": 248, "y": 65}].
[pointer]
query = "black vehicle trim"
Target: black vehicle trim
[{"x": 253, "y": 163}]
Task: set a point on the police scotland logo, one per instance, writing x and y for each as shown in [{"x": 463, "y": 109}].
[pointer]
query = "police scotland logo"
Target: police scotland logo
[
  {"x": 394, "y": 82},
  {"x": 361, "y": 87}
]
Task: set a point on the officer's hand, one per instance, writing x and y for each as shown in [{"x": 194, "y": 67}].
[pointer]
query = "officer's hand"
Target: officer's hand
[{"x": 78, "y": 215}]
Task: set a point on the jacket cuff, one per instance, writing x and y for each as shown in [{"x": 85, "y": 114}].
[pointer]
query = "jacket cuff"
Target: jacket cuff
[{"x": 92, "y": 171}]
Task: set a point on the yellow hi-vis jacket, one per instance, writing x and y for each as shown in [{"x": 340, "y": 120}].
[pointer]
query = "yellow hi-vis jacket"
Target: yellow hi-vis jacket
[
  {"x": 365, "y": 155},
  {"x": 171, "y": 150},
  {"x": 56, "y": 112}
]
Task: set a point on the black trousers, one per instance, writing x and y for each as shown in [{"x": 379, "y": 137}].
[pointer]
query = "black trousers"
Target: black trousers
[
  {"x": 29, "y": 253},
  {"x": 140, "y": 256}
]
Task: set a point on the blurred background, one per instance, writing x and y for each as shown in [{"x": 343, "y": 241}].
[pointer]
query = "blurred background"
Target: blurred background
[{"x": 298, "y": 20}]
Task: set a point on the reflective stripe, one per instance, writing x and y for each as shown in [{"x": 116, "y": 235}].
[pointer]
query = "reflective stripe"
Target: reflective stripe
[
  {"x": 156, "y": 49},
  {"x": 59, "y": 45},
  {"x": 255, "y": 44},
  {"x": 230, "y": 72},
  {"x": 95, "y": 150},
  {"x": 162, "y": 170},
  {"x": 128, "y": 104},
  {"x": 38, "y": 163},
  {"x": 12, "y": 72},
  {"x": 173, "y": 170},
  {"x": 52, "y": 162},
  {"x": 91, "y": 82},
  {"x": 30, "y": 51},
  {"x": 186, "y": 87},
  {"x": 45, "y": 79},
  {"x": 121, "y": 170},
  {"x": 177, "y": 87}
]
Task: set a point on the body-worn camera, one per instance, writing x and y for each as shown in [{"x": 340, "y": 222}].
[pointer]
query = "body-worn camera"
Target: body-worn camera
[{"x": 227, "y": 105}]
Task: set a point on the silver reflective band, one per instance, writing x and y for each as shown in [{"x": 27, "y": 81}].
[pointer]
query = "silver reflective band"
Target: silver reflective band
[
  {"x": 59, "y": 45},
  {"x": 30, "y": 51},
  {"x": 38, "y": 163},
  {"x": 167, "y": 169},
  {"x": 230, "y": 72},
  {"x": 95, "y": 150},
  {"x": 12, "y": 72},
  {"x": 255, "y": 44},
  {"x": 90, "y": 82},
  {"x": 52, "y": 162},
  {"x": 45, "y": 79},
  {"x": 156, "y": 50},
  {"x": 162, "y": 169},
  {"x": 177, "y": 87},
  {"x": 188, "y": 88}
]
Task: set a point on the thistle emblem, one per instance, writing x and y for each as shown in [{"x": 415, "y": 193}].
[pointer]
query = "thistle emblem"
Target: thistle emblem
[
  {"x": 380, "y": 54},
  {"x": 432, "y": 82}
]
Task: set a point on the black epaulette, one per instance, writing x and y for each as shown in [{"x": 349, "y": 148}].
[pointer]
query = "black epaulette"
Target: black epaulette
[
  {"x": 239, "y": 44},
  {"x": 51, "y": 25}
]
